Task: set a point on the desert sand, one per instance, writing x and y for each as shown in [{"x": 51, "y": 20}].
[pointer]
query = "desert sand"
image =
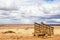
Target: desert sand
[
  {"x": 24, "y": 33},
  {"x": 21, "y": 37}
]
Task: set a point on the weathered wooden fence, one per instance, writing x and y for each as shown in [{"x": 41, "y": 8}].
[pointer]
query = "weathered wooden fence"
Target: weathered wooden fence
[{"x": 43, "y": 30}]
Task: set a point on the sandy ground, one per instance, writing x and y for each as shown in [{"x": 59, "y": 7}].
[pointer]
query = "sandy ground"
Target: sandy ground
[
  {"x": 25, "y": 34},
  {"x": 19, "y": 37},
  {"x": 27, "y": 31}
]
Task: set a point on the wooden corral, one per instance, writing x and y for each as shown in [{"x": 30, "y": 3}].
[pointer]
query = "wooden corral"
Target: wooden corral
[{"x": 43, "y": 30}]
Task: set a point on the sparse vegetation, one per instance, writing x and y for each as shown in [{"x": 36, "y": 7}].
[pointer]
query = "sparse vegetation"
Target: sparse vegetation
[
  {"x": 8, "y": 32},
  {"x": 19, "y": 33},
  {"x": 18, "y": 37}
]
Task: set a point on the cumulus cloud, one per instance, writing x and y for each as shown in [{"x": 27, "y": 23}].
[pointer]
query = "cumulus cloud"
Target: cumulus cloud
[
  {"x": 29, "y": 11},
  {"x": 7, "y": 5}
]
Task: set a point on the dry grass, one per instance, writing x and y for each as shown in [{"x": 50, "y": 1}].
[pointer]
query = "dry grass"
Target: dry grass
[
  {"x": 24, "y": 33},
  {"x": 21, "y": 37}
]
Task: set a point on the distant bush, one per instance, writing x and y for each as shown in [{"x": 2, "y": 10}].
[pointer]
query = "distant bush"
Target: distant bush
[
  {"x": 9, "y": 32},
  {"x": 27, "y": 28}
]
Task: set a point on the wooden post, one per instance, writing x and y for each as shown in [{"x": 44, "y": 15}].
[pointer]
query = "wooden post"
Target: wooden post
[
  {"x": 36, "y": 29},
  {"x": 52, "y": 30}
]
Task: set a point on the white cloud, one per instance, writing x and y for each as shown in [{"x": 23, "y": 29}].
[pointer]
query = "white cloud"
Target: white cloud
[
  {"x": 27, "y": 8},
  {"x": 25, "y": 21},
  {"x": 56, "y": 20},
  {"x": 5, "y": 3}
]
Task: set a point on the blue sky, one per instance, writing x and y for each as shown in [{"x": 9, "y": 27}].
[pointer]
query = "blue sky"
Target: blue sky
[
  {"x": 49, "y": 0},
  {"x": 29, "y": 11}
]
